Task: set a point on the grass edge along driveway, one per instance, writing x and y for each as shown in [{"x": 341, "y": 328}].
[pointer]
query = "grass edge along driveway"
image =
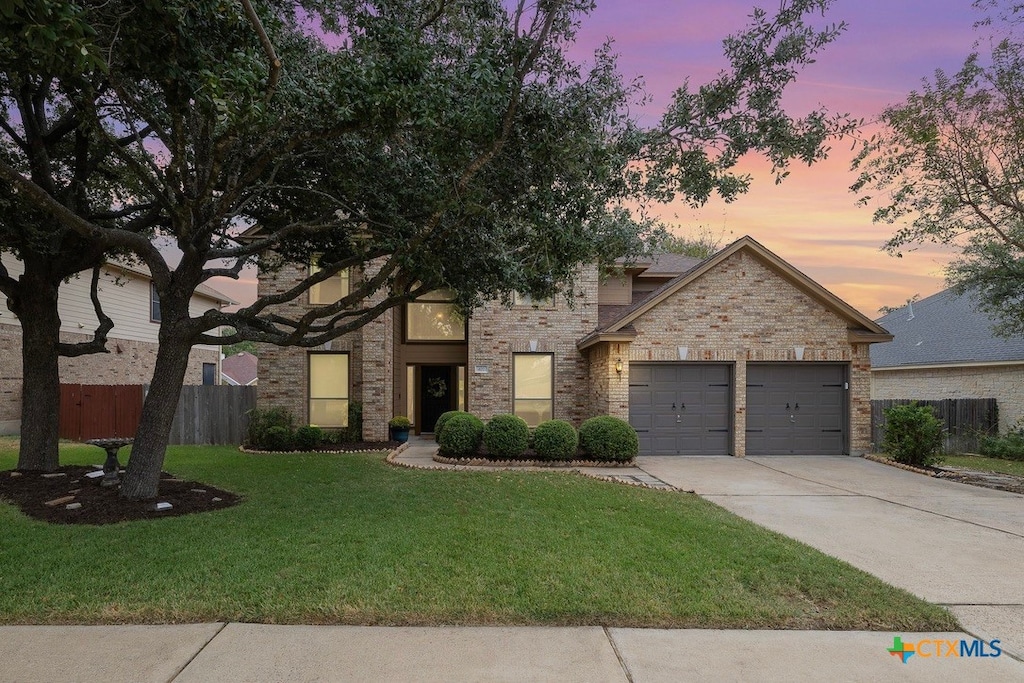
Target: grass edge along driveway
[{"x": 347, "y": 539}]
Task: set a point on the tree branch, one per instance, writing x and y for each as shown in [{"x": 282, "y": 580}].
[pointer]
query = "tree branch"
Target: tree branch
[
  {"x": 268, "y": 48},
  {"x": 98, "y": 343}
]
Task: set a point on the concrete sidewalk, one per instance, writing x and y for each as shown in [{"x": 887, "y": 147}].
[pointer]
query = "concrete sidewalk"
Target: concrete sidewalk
[{"x": 211, "y": 653}]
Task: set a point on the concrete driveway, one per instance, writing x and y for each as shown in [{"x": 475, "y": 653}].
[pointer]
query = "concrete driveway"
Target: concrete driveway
[{"x": 953, "y": 544}]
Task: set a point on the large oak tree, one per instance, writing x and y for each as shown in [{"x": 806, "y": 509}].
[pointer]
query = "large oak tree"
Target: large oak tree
[
  {"x": 421, "y": 143},
  {"x": 948, "y": 168}
]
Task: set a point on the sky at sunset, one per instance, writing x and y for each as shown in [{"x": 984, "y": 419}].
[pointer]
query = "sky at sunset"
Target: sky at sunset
[{"x": 811, "y": 220}]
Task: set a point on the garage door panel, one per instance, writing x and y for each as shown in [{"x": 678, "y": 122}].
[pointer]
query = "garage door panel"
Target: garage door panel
[
  {"x": 681, "y": 409},
  {"x": 796, "y": 409}
]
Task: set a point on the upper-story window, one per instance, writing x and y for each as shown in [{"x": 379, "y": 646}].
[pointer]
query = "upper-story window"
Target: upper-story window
[
  {"x": 433, "y": 317},
  {"x": 154, "y": 303},
  {"x": 520, "y": 299},
  {"x": 330, "y": 290}
]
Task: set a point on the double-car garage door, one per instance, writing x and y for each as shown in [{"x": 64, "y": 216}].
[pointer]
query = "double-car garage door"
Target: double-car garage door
[{"x": 686, "y": 409}]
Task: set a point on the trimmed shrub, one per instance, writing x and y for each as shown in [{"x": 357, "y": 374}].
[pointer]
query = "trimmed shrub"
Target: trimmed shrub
[
  {"x": 461, "y": 436},
  {"x": 309, "y": 438},
  {"x": 506, "y": 436},
  {"x": 277, "y": 438},
  {"x": 262, "y": 420},
  {"x": 609, "y": 438},
  {"x": 441, "y": 422},
  {"x": 1010, "y": 446},
  {"x": 913, "y": 435},
  {"x": 555, "y": 440}
]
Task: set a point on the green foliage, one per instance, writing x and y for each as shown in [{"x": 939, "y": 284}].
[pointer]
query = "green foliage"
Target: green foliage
[
  {"x": 441, "y": 421},
  {"x": 913, "y": 435},
  {"x": 1009, "y": 446},
  {"x": 261, "y": 420},
  {"x": 309, "y": 438},
  {"x": 947, "y": 170},
  {"x": 506, "y": 436},
  {"x": 703, "y": 246},
  {"x": 609, "y": 438},
  {"x": 400, "y": 422},
  {"x": 462, "y": 435},
  {"x": 238, "y": 347},
  {"x": 278, "y": 438},
  {"x": 555, "y": 440}
]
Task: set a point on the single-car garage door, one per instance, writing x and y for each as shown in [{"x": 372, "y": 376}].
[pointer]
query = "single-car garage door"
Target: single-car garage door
[
  {"x": 680, "y": 409},
  {"x": 796, "y": 409}
]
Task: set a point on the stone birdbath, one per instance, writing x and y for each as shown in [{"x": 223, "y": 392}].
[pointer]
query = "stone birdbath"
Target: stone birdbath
[{"x": 112, "y": 466}]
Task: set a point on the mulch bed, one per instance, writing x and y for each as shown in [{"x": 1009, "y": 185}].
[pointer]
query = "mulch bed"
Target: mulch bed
[{"x": 31, "y": 491}]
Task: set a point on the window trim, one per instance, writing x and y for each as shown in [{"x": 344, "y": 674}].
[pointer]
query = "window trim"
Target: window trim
[
  {"x": 424, "y": 299},
  {"x": 515, "y": 397},
  {"x": 309, "y": 386},
  {"x": 345, "y": 274},
  {"x": 154, "y": 304},
  {"x": 547, "y": 304}
]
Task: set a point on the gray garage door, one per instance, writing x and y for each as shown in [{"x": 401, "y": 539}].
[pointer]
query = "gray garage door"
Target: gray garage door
[
  {"x": 681, "y": 409},
  {"x": 796, "y": 409}
]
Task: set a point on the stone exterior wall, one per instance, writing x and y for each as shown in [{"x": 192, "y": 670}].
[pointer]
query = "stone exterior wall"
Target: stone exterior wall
[
  {"x": 1005, "y": 383},
  {"x": 132, "y": 364},
  {"x": 284, "y": 371},
  {"x": 497, "y": 332},
  {"x": 743, "y": 311}
]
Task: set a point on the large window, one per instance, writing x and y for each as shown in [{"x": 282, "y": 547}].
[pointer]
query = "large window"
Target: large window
[
  {"x": 328, "y": 389},
  {"x": 331, "y": 289},
  {"x": 433, "y": 317},
  {"x": 533, "y": 382}
]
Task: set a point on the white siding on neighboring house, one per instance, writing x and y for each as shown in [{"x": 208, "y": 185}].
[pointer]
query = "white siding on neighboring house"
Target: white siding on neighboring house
[{"x": 124, "y": 296}]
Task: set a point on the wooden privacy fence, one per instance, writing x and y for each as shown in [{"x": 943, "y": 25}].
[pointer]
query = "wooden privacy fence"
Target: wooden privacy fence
[
  {"x": 966, "y": 420},
  {"x": 97, "y": 411},
  {"x": 215, "y": 414}
]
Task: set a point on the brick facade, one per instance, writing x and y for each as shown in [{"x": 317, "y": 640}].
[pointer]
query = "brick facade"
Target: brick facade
[
  {"x": 743, "y": 311},
  {"x": 284, "y": 371},
  {"x": 129, "y": 362},
  {"x": 496, "y": 333},
  {"x": 1005, "y": 383}
]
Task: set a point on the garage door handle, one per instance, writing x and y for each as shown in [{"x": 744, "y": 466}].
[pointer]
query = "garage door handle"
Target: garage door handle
[
  {"x": 787, "y": 406},
  {"x": 682, "y": 406}
]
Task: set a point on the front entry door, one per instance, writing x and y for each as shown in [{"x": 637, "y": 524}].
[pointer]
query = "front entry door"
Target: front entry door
[{"x": 436, "y": 394}]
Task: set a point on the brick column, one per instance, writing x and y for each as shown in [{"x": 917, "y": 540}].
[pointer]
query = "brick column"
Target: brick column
[{"x": 739, "y": 391}]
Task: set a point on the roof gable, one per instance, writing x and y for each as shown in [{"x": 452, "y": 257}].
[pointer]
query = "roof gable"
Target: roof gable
[
  {"x": 943, "y": 328},
  {"x": 856, "y": 320}
]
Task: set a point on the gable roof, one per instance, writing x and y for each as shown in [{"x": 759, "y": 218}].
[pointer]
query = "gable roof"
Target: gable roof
[
  {"x": 945, "y": 328},
  {"x": 240, "y": 369},
  {"x": 862, "y": 327},
  {"x": 664, "y": 264}
]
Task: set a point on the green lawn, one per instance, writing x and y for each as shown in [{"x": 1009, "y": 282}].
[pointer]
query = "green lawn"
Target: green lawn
[
  {"x": 349, "y": 539},
  {"x": 980, "y": 462}
]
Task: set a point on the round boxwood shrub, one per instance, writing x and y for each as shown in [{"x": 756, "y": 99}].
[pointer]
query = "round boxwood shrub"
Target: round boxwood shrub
[
  {"x": 507, "y": 436},
  {"x": 609, "y": 438},
  {"x": 277, "y": 438},
  {"x": 555, "y": 440},
  {"x": 441, "y": 422},
  {"x": 461, "y": 436},
  {"x": 308, "y": 438}
]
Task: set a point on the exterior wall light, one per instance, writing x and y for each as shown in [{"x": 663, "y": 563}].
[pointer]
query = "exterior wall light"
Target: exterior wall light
[{"x": 618, "y": 366}]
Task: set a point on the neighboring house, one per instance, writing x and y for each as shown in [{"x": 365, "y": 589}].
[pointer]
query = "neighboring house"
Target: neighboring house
[
  {"x": 239, "y": 369},
  {"x": 944, "y": 347},
  {"x": 128, "y": 297},
  {"x": 738, "y": 354}
]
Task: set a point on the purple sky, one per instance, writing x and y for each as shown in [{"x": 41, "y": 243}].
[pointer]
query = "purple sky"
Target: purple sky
[{"x": 812, "y": 219}]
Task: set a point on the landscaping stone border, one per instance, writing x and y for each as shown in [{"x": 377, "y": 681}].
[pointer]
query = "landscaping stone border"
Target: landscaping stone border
[
  {"x": 253, "y": 451},
  {"x": 488, "y": 462},
  {"x": 910, "y": 468}
]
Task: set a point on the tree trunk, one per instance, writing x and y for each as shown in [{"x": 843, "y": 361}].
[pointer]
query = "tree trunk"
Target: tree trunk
[
  {"x": 142, "y": 477},
  {"x": 40, "y": 389}
]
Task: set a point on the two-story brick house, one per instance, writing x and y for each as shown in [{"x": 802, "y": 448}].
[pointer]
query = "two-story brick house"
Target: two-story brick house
[{"x": 738, "y": 354}]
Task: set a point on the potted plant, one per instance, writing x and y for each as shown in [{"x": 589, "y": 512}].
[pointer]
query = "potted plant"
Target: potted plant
[{"x": 400, "y": 425}]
